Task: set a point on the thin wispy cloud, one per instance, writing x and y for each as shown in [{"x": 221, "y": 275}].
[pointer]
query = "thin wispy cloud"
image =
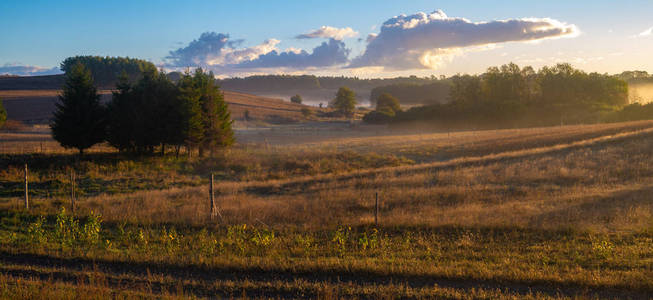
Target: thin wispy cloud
[
  {"x": 424, "y": 40},
  {"x": 330, "y": 33},
  {"x": 647, "y": 32}
]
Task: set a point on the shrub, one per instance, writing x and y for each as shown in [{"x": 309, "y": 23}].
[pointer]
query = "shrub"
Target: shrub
[
  {"x": 307, "y": 112},
  {"x": 384, "y": 116},
  {"x": 296, "y": 99}
]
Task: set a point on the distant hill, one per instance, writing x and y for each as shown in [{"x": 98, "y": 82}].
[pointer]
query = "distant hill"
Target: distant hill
[
  {"x": 314, "y": 89},
  {"x": 36, "y": 106},
  {"x": 48, "y": 82}
]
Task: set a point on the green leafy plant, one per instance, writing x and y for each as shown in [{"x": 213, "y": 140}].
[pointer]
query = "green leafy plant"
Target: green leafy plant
[{"x": 36, "y": 232}]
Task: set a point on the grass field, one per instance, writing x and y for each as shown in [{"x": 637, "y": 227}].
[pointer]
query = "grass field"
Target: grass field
[{"x": 542, "y": 213}]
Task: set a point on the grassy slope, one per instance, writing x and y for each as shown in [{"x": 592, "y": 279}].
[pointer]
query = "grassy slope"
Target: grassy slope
[
  {"x": 540, "y": 213},
  {"x": 36, "y": 106}
]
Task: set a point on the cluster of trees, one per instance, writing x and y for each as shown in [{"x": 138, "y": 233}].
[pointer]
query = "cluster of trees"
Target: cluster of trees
[
  {"x": 509, "y": 96},
  {"x": 151, "y": 113},
  {"x": 415, "y": 94},
  {"x": 636, "y": 77},
  {"x": 105, "y": 71}
]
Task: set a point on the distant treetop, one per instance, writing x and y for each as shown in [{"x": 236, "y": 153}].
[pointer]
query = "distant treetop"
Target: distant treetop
[{"x": 106, "y": 70}]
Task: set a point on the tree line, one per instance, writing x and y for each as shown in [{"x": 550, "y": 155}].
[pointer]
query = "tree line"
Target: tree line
[
  {"x": 149, "y": 114},
  {"x": 435, "y": 92},
  {"x": 510, "y": 96},
  {"x": 284, "y": 83},
  {"x": 106, "y": 71}
]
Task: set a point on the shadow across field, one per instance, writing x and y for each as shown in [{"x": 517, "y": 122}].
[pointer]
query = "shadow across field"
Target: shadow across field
[
  {"x": 125, "y": 274},
  {"x": 318, "y": 183},
  {"x": 596, "y": 209}
]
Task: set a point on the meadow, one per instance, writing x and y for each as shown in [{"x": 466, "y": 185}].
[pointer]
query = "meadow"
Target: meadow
[{"x": 542, "y": 213}]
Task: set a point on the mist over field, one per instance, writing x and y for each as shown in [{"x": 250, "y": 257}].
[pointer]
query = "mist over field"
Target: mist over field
[
  {"x": 367, "y": 149},
  {"x": 640, "y": 93}
]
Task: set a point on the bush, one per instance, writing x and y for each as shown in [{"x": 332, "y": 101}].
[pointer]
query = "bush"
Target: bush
[
  {"x": 383, "y": 116},
  {"x": 296, "y": 99},
  {"x": 387, "y": 101},
  {"x": 307, "y": 112}
]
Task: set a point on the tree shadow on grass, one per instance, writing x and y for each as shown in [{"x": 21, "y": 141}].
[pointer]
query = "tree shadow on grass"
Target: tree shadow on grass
[{"x": 198, "y": 279}]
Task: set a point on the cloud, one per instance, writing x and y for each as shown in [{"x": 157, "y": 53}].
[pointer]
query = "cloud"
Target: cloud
[
  {"x": 646, "y": 32},
  {"x": 330, "y": 33},
  {"x": 327, "y": 54},
  {"x": 199, "y": 51},
  {"x": 216, "y": 52},
  {"x": 24, "y": 70},
  {"x": 426, "y": 41}
]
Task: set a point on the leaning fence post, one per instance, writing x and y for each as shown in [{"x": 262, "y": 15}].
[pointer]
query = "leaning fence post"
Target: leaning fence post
[
  {"x": 376, "y": 209},
  {"x": 26, "y": 189},
  {"x": 211, "y": 197}
]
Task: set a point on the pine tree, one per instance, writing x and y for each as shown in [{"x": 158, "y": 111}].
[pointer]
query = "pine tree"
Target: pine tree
[
  {"x": 3, "y": 114},
  {"x": 216, "y": 118},
  {"x": 121, "y": 116},
  {"x": 192, "y": 126},
  {"x": 79, "y": 121}
]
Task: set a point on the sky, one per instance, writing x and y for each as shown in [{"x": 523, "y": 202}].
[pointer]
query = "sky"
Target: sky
[{"x": 351, "y": 38}]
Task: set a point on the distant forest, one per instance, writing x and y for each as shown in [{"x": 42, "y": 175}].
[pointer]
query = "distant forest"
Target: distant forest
[
  {"x": 322, "y": 88},
  {"x": 510, "y": 96},
  {"x": 106, "y": 70}
]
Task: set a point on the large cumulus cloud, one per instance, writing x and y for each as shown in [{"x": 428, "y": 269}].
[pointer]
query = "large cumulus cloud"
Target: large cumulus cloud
[
  {"x": 327, "y": 54},
  {"x": 25, "y": 70},
  {"x": 215, "y": 51},
  {"x": 424, "y": 40}
]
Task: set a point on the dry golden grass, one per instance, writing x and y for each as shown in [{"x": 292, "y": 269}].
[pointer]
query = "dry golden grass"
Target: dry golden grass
[
  {"x": 561, "y": 212},
  {"x": 541, "y": 178}
]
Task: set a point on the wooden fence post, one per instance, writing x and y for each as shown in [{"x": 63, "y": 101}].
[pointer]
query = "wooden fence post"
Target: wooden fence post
[
  {"x": 26, "y": 190},
  {"x": 72, "y": 190},
  {"x": 212, "y": 199},
  {"x": 376, "y": 209}
]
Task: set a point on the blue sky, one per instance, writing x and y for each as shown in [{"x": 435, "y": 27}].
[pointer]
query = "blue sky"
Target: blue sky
[{"x": 605, "y": 35}]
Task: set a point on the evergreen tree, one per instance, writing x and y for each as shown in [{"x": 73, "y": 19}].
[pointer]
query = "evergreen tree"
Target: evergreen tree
[
  {"x": 79, "y": 119},
  {"x": 345, "y": 101},
  {"x": 192, "y": 126},
  {"x": 216, "y": 118},
  {"x": 121, "y": 117},
  {"x": 146, "y": 114},
  {"x": 3, "y": 114}
]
